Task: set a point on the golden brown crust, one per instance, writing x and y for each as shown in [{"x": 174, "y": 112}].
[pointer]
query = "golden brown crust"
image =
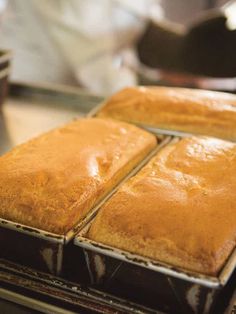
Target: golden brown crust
[
  {"x": 53, "y": 180},
  {"x": 179, "y": 209},
  {"x": 192, "y": 111}
]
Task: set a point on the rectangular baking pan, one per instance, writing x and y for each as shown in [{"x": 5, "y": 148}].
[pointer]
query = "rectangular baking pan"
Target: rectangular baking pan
[
  {"x": 31, "y": 246},
  {"x": 156, "y": 285},
  {"x": 159, "y": 285}
]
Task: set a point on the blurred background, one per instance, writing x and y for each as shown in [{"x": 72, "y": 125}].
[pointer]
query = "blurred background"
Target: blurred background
[{"x": 104, "y": 45}]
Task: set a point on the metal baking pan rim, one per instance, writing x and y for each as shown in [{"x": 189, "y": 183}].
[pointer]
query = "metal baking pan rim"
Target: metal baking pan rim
[
  {"x": 65, "y": 238},
  {"x": 30, "y": 302},
  {"x": 181, "y": 134},
  {"x": 165, "y": 131},
  {"x": 96, "y": 109},
  {"x": 164, "y": 268},
  {"x": 31, "y": 231},
  {"x": 46, "y": 307},
  {"x": 6, "y": 55},
  {"x": 228, "y": 268}
]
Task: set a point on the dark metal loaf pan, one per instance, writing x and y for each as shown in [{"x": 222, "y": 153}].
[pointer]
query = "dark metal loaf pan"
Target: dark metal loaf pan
[{"x": 154, "y": 284}]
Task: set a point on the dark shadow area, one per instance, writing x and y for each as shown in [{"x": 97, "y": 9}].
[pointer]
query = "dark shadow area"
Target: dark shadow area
[{"x": 5, "y": 140}]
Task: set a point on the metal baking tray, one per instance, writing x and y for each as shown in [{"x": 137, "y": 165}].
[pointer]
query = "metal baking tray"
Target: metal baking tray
[
  {"x": 27, "y": 245},
  {"x": 121, "y": 271},
  {"x": 26, "y": 106},
  {"x": 50, "y": 294}
]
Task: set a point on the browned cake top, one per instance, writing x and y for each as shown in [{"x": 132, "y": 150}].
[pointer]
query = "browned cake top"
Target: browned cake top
[
  {"x": 52, "y": 181},
  {"x": 179, "y": 209},
  {"x": 182, "y": 109}
]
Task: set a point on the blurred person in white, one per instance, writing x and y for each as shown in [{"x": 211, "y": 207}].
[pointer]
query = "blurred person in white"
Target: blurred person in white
[
  {"x": 69, "y": 41},
  {"x": 74, "y": 41}
]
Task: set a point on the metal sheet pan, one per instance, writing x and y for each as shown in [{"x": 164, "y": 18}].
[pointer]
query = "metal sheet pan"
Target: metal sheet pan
[
  {"x": 43, "y": 291},
  {"x": 40, "y": 99}
]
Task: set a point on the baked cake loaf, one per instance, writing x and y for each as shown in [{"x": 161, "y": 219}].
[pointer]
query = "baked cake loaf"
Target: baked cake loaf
[
  {"x": 52, "y": 181},
  {"x": 179, "y": 209},
  {"x": 189, "y": 110}
]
